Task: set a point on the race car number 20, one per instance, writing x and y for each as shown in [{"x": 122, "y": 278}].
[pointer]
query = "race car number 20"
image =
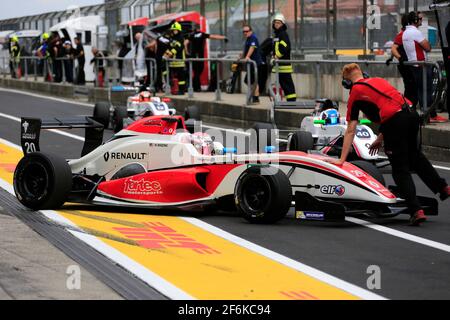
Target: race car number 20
[{"x": 30, "y": 147}]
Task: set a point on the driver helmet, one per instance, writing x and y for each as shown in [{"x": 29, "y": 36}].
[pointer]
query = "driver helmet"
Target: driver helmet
[
  {"x": 145, "y": 96},
  {"x": 203, "y": 143},
  {"x": 331, "y": 117}
]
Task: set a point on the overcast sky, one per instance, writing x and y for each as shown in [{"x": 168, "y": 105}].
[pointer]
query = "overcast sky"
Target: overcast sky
[{"x": 20, "y": 8}]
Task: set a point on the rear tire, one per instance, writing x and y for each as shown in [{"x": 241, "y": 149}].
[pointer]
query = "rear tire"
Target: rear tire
[
  {"x": 120, "y": 113},
  {"x": 262, "y": 139},
  {"x": 371, "y": 170},
  {"x": 301, "y": 141},
  {"x": 102, "y": 113},
  {"x": 42, "y": 181},
  {"x": 263, "y": 195},
  {"x": 192, "y": 112}
]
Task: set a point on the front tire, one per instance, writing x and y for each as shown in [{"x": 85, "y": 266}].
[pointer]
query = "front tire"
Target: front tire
[
  {"x": 120, "y": 114},
  {"x": 263, "y": 195},
  {"x": 301, "y": 141},
  {"x": 102, "y": 113},
  {"x": 42, "y": 181},
  {"x": 261, "y": 136}
]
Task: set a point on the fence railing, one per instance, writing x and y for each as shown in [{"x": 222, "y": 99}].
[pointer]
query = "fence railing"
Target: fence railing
[
  {"x": 37, "y": 66},
  {"x": 112, "y": 64},
  {"x": 317, "y": 73},
  {"x": 249, "y": 65}
]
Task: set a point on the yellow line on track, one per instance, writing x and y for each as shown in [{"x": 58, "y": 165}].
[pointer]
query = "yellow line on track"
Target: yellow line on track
[{"x": 196, "y": 261}]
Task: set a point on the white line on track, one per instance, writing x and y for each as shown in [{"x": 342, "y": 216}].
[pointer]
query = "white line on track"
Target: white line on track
[
  {"x": 63, "y": 133},
  {"x": 146, "y": 275},
  {"x": 35, "y": 95},
  {"x": 400, "y": 234},
  {"x": 324, "y": 277},
  {"x": 172, "y": 291}
]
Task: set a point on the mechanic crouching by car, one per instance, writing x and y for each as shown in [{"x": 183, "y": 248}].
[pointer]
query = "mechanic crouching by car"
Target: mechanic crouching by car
[{"x": 399, "y": 128}]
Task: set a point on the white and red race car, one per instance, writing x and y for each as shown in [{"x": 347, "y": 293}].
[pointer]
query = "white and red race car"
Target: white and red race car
[
  {"x": 157, "y": 163},
  {"x": 140, "y": 105}
]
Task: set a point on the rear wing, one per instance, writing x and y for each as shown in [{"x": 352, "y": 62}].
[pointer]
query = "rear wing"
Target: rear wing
[
  {"x": 120, "y": 89},
  {"x": 30, "y": 131}
]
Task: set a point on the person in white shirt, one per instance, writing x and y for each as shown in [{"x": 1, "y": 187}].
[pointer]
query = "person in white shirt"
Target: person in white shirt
[{"x": 416, "y": 47}]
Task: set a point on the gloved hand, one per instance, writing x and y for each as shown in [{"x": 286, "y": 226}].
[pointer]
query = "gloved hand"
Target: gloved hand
[
  {"x": 388, "y": 61},
  {"x": 401, "y": 61},
  {"x": 226, "y": 40}
]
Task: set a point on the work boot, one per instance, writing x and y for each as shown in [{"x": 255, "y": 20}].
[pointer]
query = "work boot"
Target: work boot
[
  {"x": 417, "y": 218},
  {"x": 445, "y": 193},
  {"x": 255, "y": 99}
]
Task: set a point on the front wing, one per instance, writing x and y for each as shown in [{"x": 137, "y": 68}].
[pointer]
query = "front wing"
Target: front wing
[{"x": 308, "y": 207}]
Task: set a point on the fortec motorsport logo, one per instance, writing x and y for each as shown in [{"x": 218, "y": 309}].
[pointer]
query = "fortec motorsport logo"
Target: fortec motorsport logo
[
  {"x": 338, "y": 190},
  {"x": 124, "y": 156},
  {"x": 142, "y": 187}
]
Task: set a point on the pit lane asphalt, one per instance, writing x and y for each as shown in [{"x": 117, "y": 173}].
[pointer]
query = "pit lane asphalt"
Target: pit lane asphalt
[{"x": 408, "y": 270}]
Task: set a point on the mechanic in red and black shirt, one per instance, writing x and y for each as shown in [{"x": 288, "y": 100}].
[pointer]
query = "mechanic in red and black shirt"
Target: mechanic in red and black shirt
[{"x": 399, "y": 128}]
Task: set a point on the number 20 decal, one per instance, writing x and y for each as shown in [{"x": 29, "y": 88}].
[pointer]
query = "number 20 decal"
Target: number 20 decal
[{"x": 30, "y": 147}]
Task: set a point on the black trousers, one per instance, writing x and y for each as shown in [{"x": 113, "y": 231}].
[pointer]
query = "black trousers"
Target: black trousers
[
  {"x": 68, "y": 70},
  {"x": 180, "y": 75},
  {"x": 288, "y": 86},
  {"x": 263, "y": 75},
  {"x": 198, "y": 68},
  {"x": 401, "y": 145},
  {"x": 409, "y": 83},
  {"x": 81, "y": 76},
  {"x": 418, "y": 77},
  {"x": 57, "y": 70}
]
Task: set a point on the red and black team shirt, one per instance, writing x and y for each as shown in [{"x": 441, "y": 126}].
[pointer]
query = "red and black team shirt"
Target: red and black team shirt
[{"x": 378, "y": 100}]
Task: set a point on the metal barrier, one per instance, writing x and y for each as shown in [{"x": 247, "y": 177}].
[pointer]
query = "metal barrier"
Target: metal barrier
[
  {"x": 249, "y": 65},
  {"x": 108, "y": 62},
  {"x": 30, "y": 66},
  {"x": 279, "y": 105}
]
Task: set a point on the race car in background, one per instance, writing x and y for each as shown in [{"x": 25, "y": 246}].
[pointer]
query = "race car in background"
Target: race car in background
[
  {"x": 141, "y": 104},
  {"x": 323, "y": 132},
  {"x": 157, "y": 163}
]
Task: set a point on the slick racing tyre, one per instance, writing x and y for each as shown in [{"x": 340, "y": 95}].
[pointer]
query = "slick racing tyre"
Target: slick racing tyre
[
  {"x": 101, "y": 113},
  {"x": 119, "y": 114},
  {"x": 371, "y": 170},
  {"x": 192, "y": 112},
  {"x": 42, "y": 181},
  {"x": 263, "y": 195},
  {"x": 261, "y": 137},
  {"x": 301, "y": 141}
]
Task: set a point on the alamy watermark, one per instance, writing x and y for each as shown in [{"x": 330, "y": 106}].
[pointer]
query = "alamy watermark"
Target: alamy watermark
[
  {"x": 73, "y": 281},
  {"x": 374, "y": 280},
  {"x": 373, "y": 17}
]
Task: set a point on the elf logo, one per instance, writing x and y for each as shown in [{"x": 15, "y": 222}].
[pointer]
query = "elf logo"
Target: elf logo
[{"x": 338, "y": 190}]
